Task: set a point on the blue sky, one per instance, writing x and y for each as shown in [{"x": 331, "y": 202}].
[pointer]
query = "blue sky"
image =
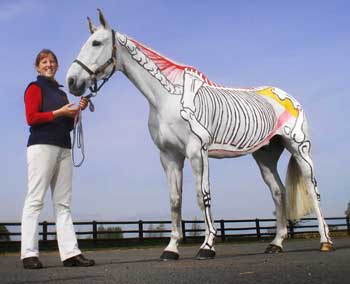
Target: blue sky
[{"x": 299, "y": 46}]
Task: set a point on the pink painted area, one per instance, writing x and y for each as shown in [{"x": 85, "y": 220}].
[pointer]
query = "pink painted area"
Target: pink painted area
[
  {"x": 283, "y": 118},
  {"x": 172, "y": 70},
  {"x": 224, "y": 153}
]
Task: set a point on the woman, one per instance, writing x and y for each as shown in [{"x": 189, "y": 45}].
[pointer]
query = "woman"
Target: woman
[{"x": 51, "y": 118}]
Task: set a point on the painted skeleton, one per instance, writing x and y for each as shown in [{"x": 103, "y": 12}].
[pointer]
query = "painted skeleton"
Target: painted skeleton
[
  {"x": 229, "y": 121},
  {"x": 192, "y": 117}
]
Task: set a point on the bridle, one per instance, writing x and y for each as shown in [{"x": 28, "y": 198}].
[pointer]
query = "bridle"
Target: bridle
[
  {"x": 78, "y": 136},
  {"x": 93, "y": 74}
]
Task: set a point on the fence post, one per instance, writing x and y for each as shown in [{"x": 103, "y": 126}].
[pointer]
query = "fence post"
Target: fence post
[
  {"x": 140, "y": 231},
  {"x": 222, "y": 229},
  {"x": 183, "y": 224},
  {"x": 44, "y": 231},
  {"x": 291, "y": 229},
  {"x": 348, "y": 224},
  {"x": 94, "y": 230},
  {"x": 257, "y": 225}
]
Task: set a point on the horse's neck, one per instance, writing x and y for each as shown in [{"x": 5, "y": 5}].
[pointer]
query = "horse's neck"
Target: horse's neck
[{"x": 137, "y": 74}]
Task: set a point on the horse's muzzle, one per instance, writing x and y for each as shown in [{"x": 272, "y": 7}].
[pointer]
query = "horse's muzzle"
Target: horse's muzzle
[{"x": 74, "y": 88}]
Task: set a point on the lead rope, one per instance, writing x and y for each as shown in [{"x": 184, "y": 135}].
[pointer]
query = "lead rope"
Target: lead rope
[{"x": 78, "y": 134}]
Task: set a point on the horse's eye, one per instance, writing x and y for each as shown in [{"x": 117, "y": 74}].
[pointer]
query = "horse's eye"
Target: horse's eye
[{"x": 96, "y": 43}]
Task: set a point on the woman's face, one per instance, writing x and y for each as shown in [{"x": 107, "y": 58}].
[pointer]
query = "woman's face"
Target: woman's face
[{"x": 47, "y": 66}]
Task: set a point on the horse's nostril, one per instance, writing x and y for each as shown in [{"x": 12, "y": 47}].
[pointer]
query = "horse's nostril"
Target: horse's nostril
[
  {"x": 70, "y": 82},
  {"x": 82, "y": 87}
]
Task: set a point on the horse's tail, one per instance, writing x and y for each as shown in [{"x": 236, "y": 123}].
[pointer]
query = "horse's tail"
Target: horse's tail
[{"x": 298, "y": 202}]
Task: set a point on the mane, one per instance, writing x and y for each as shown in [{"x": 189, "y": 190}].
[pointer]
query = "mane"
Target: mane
[
  {"x": 169, "y": 73},
  {"x": 172, "y": 70}
]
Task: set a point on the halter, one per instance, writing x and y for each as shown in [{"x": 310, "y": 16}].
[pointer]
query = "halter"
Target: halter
[
  {"x": 78, "y": 137},
  {"x": 111, "y": 61}
]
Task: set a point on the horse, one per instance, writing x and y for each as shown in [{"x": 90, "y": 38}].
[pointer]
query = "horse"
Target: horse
[{"x": 193, "y": 118}]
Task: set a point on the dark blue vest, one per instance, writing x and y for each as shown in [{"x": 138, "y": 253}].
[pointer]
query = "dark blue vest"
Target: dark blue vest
[{"x": 57, "y": 131}]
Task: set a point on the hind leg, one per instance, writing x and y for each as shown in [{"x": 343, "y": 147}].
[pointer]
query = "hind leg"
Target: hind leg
[
  {"x": 267, "y": 158},
  {"x": 299, "y": 145}
]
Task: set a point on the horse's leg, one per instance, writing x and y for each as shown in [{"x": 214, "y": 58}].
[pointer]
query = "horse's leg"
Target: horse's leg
[
  {"x": 267, "y": 158},
  {"x": 299, "y": 144},
  {"x": 173, "y": 165},
  {"x": 200, "y": 168}
]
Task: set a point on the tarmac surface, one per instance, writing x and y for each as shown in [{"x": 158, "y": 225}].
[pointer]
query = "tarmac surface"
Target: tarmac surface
[{"x": 301, "y": 262}]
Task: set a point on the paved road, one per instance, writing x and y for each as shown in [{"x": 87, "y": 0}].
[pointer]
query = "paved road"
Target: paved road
[{"x": 235, "y": 263}]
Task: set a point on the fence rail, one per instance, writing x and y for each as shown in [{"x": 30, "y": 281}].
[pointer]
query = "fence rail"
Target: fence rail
[{"x": 137, "y": 230}]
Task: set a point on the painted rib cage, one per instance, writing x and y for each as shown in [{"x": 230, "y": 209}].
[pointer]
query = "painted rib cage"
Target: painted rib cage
[{"x": 238, "y": 118}]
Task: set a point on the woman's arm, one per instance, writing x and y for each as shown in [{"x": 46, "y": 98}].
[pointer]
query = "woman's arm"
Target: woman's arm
[{"x": 33, "y": 101}]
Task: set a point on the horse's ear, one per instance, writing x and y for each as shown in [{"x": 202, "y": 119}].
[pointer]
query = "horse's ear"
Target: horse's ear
[
  {"x": 102, "y": 19},
  {"x": 92, "y": 28}
]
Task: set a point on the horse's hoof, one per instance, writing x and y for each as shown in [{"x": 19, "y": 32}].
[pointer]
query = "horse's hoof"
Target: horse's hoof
[
  {"x": 273, "y": 249},
  {"x": 169, "y": 255},
  {"x": 326, "y": 247},
  {"x": 205, "y": 254}
]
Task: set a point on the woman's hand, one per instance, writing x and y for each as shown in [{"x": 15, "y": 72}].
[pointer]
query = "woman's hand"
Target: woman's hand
[
  {"x": 66, "y": 110},
  {"x": 83, "y": 103}
]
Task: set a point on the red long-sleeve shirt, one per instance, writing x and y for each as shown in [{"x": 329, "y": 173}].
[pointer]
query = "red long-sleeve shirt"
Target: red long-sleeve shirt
[{"x": 33, "y": 102}]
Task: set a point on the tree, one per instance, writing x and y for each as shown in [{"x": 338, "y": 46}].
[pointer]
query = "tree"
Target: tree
[
  {"x": 272, "y": 231},
  {"x": 113, "y": 232},
  {"x": 195, "y": 227},
  {"x": 149, "y": 234},
  {"x": 3, "y": 229},
  {"x": 160, "y": 227},
  {"x": 347, "y": 211}
]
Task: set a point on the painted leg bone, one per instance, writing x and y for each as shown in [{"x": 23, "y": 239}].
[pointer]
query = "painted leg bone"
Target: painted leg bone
[
  {"x": 201, "y": 172},
  {"x": 173, "y": 165},
  {"x": 298, "y": 143},
  {"x": 307, "y": 168},
  {"x": 199, "y": 160},
  {"x": 192, "y": 83}
]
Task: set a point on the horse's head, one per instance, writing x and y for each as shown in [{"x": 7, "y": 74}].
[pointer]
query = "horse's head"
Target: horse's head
[{"x": 96, "y": 60}]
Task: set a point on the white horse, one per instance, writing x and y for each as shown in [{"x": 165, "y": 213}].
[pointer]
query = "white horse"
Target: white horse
[{"x": 192, "y": 117}]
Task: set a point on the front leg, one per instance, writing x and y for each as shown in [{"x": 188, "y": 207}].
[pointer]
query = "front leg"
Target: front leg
[
  {"x": 173, "y": 165},
  {"x": 200, "y": 168}
]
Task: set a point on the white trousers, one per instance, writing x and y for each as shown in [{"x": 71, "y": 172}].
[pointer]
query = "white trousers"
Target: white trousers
[{"x": 48, "y": 166}]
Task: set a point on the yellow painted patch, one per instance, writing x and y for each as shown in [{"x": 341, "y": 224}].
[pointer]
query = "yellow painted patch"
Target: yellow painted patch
[{"x": 286, "y": 103}]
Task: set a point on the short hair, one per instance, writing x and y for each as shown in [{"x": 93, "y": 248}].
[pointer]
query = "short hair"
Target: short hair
[{"x": 43, "y": 53}]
